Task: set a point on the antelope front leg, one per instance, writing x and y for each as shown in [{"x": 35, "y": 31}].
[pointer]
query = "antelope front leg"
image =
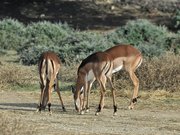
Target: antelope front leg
[
  {"x": 83, "y": 99},
  {"x": 88, "y": 93}
]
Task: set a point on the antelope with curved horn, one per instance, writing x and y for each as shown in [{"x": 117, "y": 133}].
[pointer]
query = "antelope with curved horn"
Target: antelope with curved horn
[
  {"x": 100, "y": 66},
  {"x": 49, "y": 65}
]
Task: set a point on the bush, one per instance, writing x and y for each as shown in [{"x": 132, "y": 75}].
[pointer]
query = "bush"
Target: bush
[
  {"x": 46, "y": 33},
  {"x": 73, "y": 46},
  {"x": 81, "y": 44},
  {"x": 152, "y": 40},
  {"x": 177, "y": 19},
  {"x": 174, "y": 42},
  {"x": 11, "y": 34},
  {"x": 2, "y": 52},
  {"x": 70, "y": 45},
  {"x": 42, "y": 36}
]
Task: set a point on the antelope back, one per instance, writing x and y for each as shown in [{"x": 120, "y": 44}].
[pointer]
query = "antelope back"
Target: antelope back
[{"x": 124, "y": 56}]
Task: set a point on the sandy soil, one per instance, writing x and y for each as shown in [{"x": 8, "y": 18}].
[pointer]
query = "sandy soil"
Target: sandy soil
[{"x": 150, "y": 117}]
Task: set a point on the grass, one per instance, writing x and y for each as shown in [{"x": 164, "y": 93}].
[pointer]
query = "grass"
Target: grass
[
  {"x": 15, "y": 76},
  {"x": 24, "y": 82},
  {"x": 14, "y": 126}
]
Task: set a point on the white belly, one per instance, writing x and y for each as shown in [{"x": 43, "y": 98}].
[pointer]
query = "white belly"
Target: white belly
[
  {"x": 90, "y": 75},
  {"x": 117, "y": 69}
]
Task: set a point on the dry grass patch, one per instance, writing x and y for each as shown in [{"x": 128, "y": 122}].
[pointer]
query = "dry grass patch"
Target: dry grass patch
[
  {"x": 14, "y": 74},
  {"x": 157, "y": 73},
  {"x": 13, "y": 126},
  {"x": 17, "y": 75},
  {"x": 161, "y": 94}
]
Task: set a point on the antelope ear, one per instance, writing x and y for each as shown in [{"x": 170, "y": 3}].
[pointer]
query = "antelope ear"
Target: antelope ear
[{"x": 73, "y": 89}]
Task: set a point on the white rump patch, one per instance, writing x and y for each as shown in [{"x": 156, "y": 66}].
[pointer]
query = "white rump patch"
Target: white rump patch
[{"x": 117, "y": 69}]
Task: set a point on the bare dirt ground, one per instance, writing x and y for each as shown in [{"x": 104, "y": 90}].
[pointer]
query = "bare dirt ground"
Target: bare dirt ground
[{"x": 152, "y": 116}]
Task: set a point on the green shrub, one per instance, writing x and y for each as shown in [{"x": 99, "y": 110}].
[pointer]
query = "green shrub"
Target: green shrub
[
  {"x": 81, "y": 44},
  {"x": 73, "y": 46},
  {"x": 11, "y": 34},
  {"x": 2, "y": 52},
  {"x": 174, "y": 42},
  {"x": 46, "y": 33},
  {"x": 149, "y": 38},
  {"x": 30, "y": 55},
  {"x": 70, "y": 45},
  {"x": 177, "y": 19},
  {"x": 42, "y": 36}
]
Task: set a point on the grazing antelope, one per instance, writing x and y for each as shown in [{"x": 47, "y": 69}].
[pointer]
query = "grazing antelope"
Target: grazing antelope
[
  {"x": 97, "y": 66},
  {"x": 100, "y": 66},
  {"x": 49, "y": 65}
]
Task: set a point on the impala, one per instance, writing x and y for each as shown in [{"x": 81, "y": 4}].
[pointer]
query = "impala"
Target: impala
[
  {"x": 49, "y": 65},
  {"x": 97, "y": 66},
  {"x": 100, "y": 66}
]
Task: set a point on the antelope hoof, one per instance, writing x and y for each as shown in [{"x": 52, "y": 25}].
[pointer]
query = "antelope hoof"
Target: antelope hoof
[
  {"x": 82, "y": 112},
  {"x": 115, "y": 113},
  {"x": 37, "y": 110},
  {"x": 97, "y": 113},
  {"x": 131, "y": 107},
  {"x": 50, "y": 113},
  {"x": 87, "y": 110},
  {"x": 64, "y": 109}
]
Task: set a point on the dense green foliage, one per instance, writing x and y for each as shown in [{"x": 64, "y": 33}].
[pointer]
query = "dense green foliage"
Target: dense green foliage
[
  {"x": 12, "y": 34},
  {"x": 73, "y": 46},
  {"x": 177, "y": 19},
  {"x": 81, "y": 44},
  {"x": 152, "y": 40},
  {"x": 40, "y": 37}
]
